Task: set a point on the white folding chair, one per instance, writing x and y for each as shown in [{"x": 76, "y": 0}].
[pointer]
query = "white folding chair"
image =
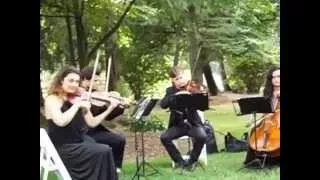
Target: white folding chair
[
  {"x": 50, "y": 160},
  {"x": 203, "y": 155}
]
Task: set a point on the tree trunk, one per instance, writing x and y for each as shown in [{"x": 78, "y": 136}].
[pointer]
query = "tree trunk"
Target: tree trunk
[
  {"x": 41, "y": 96},
  {"x": 177, "y": 54},
  {"x": 111, "y": 51},
  {"x": 72, "y": 59},
  {"x": 194, "y": 45},
  {"x": 81, "y": 36},
  {"x": 199, "y": 66},
  {"x": 137, "y": 94},
  {"x": 116, "y": 66},
  {"x": 224, "y": 76},
  {"x": 71, "y": 56}
]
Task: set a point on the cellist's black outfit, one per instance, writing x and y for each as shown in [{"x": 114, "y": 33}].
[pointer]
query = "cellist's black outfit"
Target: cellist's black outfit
[
  {"x": 178, "y": 127},
  {"x": 251, "y": 155},
  {"x": 83, "y": 157}
]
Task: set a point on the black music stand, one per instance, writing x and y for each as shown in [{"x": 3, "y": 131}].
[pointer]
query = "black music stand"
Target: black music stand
[
  {"x": 253, "y": 105},
  {"x": 143, "y": 109},
  {"x": 197, "y": 101}
]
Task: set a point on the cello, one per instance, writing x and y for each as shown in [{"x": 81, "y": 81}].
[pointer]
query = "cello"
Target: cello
[{"x": 265, "y": 137}]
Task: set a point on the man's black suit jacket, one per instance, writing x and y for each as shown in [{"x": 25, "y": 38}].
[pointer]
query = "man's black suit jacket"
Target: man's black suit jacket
[{"x": 177, "y": 116}]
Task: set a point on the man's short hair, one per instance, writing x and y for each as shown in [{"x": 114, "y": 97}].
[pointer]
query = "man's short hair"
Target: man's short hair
[{"x": 86, "y": 73}]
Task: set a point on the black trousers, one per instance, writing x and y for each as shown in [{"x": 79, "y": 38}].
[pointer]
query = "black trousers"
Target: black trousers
[
  {"x": 197, "y": 133},
  {"x": 115, "y": 141}
]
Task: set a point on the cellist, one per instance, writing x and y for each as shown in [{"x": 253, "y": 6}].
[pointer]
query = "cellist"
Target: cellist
[{"x": 272, "y": 93}]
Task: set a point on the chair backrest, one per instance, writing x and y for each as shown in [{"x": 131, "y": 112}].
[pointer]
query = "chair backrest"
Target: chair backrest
[{"x": 49, "y": 157}]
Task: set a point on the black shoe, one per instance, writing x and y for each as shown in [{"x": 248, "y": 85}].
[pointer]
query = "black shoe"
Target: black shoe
[
  {"x": 190, "y": 166},
  {"x": 180, "y": 165}
]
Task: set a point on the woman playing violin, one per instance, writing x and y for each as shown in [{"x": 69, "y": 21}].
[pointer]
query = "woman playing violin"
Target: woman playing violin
[
  {"x": 68, "y": 124},
  {"x": 100, "y": 133},
  {"x": 272, "y": 93}
]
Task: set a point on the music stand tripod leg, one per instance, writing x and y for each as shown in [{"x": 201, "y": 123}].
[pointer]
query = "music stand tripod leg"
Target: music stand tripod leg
[
  {"x": 137, "y": 156},
  {"x": 143, "y": 159},
  {"x": 264, "y": 160},
  {"x": 141, "y": 166}
]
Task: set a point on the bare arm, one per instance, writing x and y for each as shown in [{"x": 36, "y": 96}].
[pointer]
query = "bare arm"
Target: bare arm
[
  {"x": 94, "y": 121},
  {"x": 53, "y": 111}
]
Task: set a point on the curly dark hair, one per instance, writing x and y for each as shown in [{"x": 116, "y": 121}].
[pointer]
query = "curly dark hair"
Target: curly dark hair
[{"x": 268, "y": 88}]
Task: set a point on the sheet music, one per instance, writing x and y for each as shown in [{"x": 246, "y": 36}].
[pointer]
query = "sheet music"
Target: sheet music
[
  {"x": 236, "y": 107},
  {"x": 141, "y": 108}
]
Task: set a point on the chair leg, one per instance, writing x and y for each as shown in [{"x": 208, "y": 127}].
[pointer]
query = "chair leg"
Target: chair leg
[
  {"x": 45, "y": 174},
  {"x": 187, "y": 156}
]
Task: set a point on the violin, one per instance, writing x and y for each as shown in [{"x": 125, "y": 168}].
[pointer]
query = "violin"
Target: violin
[
  {"x": 100, "y": 99},
  {"x": 97, "y": 98},
  {"x": 192, "y": 86},
  {"x": 195, "y": 86}
]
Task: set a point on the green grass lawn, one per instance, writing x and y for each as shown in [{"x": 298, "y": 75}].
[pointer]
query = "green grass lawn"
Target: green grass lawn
[{"x": 221, "y": 166}]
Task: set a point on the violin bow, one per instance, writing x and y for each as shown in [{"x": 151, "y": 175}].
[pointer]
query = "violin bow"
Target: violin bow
[
  {"x": 196, "y": 62},
  {"x": 93, "y": 74},
  {"x": 108, "y": 74}
]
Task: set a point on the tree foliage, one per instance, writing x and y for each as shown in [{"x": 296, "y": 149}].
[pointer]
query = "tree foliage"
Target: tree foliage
[{"x": 154, "y": 35}]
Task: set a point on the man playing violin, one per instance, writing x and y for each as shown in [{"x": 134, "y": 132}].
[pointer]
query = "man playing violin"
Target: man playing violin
[
  {"x": 182, "y": 122},
  {"x": 101, "y": 134}
]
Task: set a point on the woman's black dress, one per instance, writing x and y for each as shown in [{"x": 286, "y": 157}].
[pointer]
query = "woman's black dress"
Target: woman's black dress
[{"x": 83, "y": 157}]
